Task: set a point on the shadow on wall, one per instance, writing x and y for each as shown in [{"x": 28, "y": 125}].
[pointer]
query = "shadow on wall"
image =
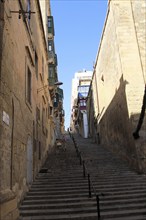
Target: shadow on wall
[
  {"x": 140, "y": 144},
  {"x": 116, "y": 129}
]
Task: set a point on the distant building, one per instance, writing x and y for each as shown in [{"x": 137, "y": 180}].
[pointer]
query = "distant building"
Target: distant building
[{"x": 80, "y": 88}]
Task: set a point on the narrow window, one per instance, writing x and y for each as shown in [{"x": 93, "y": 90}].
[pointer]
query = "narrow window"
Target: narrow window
[
  {"x": 43, "y": 120},
  {"x": 43, "y": 68},
  {"x": 50, "y": 25},
  {"x": 39, "y": 150},
  {"x": 37, "y": 114},
  {"x": 50, "y": 46},
  {"x": 28, "y": 10},
  {"x": 28, "y": 95},
  {"x": 49, "y": 22},
  {"x": 51, "y": 110},
  {"x": 36, "y": 65},
  {"x": 51, "y": 72}
]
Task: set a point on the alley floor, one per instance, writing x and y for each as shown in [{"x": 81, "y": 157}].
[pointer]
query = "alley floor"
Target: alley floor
[{"x": 60, "y": 190}]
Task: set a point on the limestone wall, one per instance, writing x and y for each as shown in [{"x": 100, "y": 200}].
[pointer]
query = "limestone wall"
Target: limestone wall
[
  {"x": 24, "y": 137},
  {"x": 119, "y": 72}
]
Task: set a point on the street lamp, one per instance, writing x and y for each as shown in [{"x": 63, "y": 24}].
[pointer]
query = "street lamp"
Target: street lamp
[
  {"x": 58, "y": 83},
  {"x": 45, "y": 86}
]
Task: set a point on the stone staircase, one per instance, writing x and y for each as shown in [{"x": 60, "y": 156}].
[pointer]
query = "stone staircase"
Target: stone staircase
[{"x": 61, "y": 192}]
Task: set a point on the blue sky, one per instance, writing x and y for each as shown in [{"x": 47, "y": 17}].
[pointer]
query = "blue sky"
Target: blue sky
[{"x": 78, "y": 29}]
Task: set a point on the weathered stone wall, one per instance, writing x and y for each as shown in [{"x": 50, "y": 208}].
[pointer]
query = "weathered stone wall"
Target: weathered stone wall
[
  {"x": 119, "y": 78},
  {"x": 23, "y": 136}
]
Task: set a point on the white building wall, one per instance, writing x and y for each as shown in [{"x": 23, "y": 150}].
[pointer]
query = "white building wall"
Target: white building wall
[
  {"x": 75, "y": 82},
  {"x": 85, "y": 124}
]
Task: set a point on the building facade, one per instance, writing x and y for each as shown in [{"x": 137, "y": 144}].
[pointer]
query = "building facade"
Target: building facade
[
  {"x": 117, "y": 97},
  {"x": 80, "y": 88},
  {"x": 27, "y": 111}
]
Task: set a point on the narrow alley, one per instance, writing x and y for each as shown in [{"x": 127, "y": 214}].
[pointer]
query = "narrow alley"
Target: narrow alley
[
  {"x": 72, "y": 110},
  {"x": 60, "y": 190}
]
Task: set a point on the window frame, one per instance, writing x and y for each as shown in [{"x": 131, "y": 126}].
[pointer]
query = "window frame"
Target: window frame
[
  {"x": 29, "y": 86},
  {"x": 36, "y": 65}
]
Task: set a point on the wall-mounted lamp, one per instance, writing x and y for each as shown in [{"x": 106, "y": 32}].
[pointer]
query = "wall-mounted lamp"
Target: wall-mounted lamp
[
  {"x": 24, "y": 13},
  {"x": 55, "y": 84},
  {"x": 58, "y": 83}
]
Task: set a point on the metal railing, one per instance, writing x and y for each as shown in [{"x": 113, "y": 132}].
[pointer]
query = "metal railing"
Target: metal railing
[{"x": 91, "y": 187}]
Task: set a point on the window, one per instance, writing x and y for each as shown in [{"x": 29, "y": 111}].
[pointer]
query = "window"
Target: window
[
  {"x": 28, "y": 10},
  {"x": 51, "y": 72},
  {"x": 37, "y": 114},
  {"x": 82, "y": 102},
  {"x": 43, "y": 120},
  {"x": 50, "y": 45},
  {"x": 50, "y": 25},
  {"x": 36, "y": 65},
  {"x": 49, "y": 22},
  {"x": 39, "y": 150},
  {"x": 43, "y": 68},
  {"x": 28, "y": 89},
  {"x": 56, "y": 61},
  {"x": 51, "y": 110}
]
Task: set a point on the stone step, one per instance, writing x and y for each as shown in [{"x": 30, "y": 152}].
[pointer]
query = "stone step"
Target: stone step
[
  {"x": 36, "y": 197},
  {"x": 84, "y": 200},
  {"x": 62, "y": 192},
  {"x": 103, "y": 207},
  {"x": 84, "y": 187},
  {"x": 58, "y": 200},
  {"x": 84, "y": 212},
  {"x": 69, "y": 182},
  {"x": 58, "y": 205},
  {"x": 81, "y": 217},
  {"x": 100, "y": 176},
  {"x": 85, "y": 182},
  {"x": 84, "y": 191},
  {"x": 58, "y": 211}
]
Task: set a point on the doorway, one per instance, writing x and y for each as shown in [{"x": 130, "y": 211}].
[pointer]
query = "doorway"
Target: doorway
[{"x": 29, "y": 161}]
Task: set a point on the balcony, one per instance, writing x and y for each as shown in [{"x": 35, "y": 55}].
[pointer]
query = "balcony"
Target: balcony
[
  {"x": 51, "y": 31},
  {"x": 60, "y": 94},
  {"x": 51, "y": 56},
  {"x": 52, "y": 75}
]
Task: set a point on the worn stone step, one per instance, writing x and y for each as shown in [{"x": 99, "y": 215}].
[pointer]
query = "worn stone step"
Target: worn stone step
[
  {"x": 57, "y": 205},
  {"x": 80, "y": 212},
  {"x": 84, "y": 187},
  {"x": 60, "y": 211},
  {"x": 81, "y": 217},
  {"x": 84, "y": 200},
  {"x": 35, "y": 197},
  {"x": 110, "y": 196},
  {"x": 139, "y": 217},
  {"x": 103, "y": 207},
  {"x": 84, "y": 191},
  {"x": 58, "y": 200},
  {"x": 99, "y": 178},
  {"x": 62, "y": 192}
]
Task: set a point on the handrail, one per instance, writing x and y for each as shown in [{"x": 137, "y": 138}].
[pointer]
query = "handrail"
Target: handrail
[{"x": 85, "y": 171}]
